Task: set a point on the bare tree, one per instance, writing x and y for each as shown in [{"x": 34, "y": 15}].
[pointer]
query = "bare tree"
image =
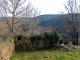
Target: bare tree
[
  {"x": 17, "y": 11},
  {"x": 32, "y": 22},
  {"x": 72, "y": 18},
  {"x": 33, "y": 26},
  {"x": 35, "y": 21},
  {"x": 11, "y": 8}
]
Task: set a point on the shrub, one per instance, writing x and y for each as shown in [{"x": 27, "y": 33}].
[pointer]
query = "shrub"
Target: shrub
[
  {"x": 66, "y": 42},
  {"x": 47, "y": 39},
  {"x": 47, "y": 35},
  {"x": 54, "y": 38},
  {"x": 34, "y": 38}
]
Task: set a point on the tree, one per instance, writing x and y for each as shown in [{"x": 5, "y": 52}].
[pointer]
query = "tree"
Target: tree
[
  {"x": 72, "y": 18},
  {"x": 14, "y": 9},
  {"x": 32, "y": 22},
  {"x": 17, "y": 11}
]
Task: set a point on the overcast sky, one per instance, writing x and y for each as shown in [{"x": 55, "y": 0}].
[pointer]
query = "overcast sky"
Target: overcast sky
[{"x": 49, "y": 6}]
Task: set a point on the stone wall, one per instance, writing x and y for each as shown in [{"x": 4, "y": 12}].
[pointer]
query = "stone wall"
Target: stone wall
[{"x": 6, "y": 49}]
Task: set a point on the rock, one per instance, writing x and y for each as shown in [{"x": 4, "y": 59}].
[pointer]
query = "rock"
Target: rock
[
  {"x": 74, "y": 47},
  {"x": 33, "y": 48},
  {"x": 6, "y": 50},
  {"x": 68, "y": 47}
]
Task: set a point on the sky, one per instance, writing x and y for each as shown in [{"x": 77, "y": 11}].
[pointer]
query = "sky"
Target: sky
[{"x": 49, "y": 6}]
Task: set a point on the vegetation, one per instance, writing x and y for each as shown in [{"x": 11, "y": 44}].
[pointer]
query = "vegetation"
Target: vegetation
[
  {"x": 46, "y": 54},
  {"x": 17, "y": 12},
  {"x": 45, "y": 45},
  {"x": 36, "y": 41},
  {"x": 72, "y": 20},
  {"x": 66, "y": 42}
]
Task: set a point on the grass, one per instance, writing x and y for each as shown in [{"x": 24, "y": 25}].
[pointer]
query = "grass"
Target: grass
[{"x": 46, "y": 54}]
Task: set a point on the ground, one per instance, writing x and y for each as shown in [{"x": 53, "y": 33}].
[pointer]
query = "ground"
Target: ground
[{"x": 46, "y": 54}]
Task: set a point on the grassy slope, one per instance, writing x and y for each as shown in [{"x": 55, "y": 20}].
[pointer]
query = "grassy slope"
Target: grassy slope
[{"x": 46, "y": 54}]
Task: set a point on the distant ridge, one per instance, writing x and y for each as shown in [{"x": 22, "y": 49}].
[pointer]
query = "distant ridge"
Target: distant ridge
[
  {"x": 49, "y": 19},
  {"x": 47, "y": 16}
]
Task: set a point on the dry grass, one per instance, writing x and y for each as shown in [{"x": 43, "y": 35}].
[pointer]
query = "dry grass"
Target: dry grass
[{"x": 4, "y": 28}]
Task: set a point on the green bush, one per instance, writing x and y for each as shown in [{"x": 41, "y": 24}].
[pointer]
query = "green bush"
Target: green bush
[
  {"x": 54, "y": 38},
  {"x": 46, "y": 35},
  {"x": 36, "y": 41},
  {"x": 66, "y": 42},
  {"x": 34, "y": 38}
]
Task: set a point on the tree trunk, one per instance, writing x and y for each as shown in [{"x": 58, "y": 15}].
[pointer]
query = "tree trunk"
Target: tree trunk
[
  {"x": 32, "y": 32},
  {"x": 74, "y": 36},
  {"x": 77, "y": 37}
]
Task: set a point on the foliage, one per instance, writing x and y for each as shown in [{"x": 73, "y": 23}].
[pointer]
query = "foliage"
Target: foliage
[
  {"x": 59, "y": 32},
  {"x": 37, "y": 41},
  {"x": 35, "y": 37},
  {"x": 66, "y": 42},
  {"x": 56, "y": 36},
  {"x": 42, "y": 36},
  {"x": 61, "y": 41},
  {"x": 46, "y": 35}
]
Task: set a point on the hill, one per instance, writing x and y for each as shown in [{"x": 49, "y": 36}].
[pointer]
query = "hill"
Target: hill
[{"x": 49, "y": 19}]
